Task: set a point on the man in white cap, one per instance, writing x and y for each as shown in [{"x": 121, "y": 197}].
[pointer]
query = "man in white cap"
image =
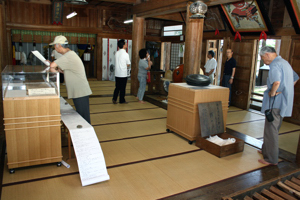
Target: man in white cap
[{"x": 75, "y": 78}]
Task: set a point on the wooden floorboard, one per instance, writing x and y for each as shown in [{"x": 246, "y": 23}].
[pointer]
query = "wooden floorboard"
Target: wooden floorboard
[
  {"x": 232, "y": 185},
  {"x": 160, "y": 169}
]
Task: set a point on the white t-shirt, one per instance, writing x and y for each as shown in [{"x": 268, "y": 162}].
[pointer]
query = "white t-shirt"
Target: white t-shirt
[
  {"x": 210, "y": 64},
  {"x": 55, "y": 54},
  {"x": 75, "y": 78},
  {"x": 122, "y": 60}
]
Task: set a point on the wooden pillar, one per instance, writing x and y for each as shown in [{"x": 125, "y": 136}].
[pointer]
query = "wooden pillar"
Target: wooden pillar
[
  {"x": 298, "y": 152},
  {"x": 3, "y": 40},
  {"x": 193, "y": 44},
  {"x": 138, "y": 33},
  {"x": 99, "y": 58},
  {"x": 9, "y": 47},
  {"x": 1, "y": 36}
]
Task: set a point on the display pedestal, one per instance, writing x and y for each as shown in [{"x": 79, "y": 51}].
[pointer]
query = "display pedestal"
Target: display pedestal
[
  {"x": 32, "y": 130},
  {"x": 182, "y": 116}
]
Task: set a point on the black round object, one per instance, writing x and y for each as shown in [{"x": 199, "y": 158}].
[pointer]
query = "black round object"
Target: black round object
[{"x": 197, "y": 80}]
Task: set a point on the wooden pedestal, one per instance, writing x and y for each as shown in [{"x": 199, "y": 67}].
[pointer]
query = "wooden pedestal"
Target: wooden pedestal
[
  {"x": 183, "y": 100},
  {"x": 32, "y": 130}
]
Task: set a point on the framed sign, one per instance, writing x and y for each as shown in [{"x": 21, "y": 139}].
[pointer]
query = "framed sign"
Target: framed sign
[
  {"x": 293, "y": 7},
  {"x": 247, "y": 16}
]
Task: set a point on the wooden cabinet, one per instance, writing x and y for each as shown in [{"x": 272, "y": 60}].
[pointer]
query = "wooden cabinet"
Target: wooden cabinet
[
  {"x": 182, "y": 116},
  {"x": 32, "y": 130}
]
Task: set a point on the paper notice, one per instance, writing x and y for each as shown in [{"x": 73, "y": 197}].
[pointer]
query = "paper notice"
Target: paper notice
[
  {"x": 89, "y": 155},
  {"x": 41, "y": 57},
  {"x": 90, "y": 159}
]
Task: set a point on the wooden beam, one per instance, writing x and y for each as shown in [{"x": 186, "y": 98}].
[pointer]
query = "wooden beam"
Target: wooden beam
[
  {"x": 173, "y": 17},
  {"x": 122, "y": 1},
  {"x": 35, "y": 1},
  {"x": 157, "y": 7}
]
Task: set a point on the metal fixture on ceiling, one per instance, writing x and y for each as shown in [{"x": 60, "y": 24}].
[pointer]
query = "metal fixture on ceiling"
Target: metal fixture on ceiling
[
  {"x": 198, "y": 9},
  {"x": 77, "y": 2}
]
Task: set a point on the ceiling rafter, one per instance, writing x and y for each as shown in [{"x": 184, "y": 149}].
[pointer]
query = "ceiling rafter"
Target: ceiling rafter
[{"x": 154, "y": 8}]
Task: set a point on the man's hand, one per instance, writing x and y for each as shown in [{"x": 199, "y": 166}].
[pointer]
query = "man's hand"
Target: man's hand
[
  {"x": 230, "y": 81},
  {"x": 48, "y": 61},
  {"x": 271, "y": 94}
]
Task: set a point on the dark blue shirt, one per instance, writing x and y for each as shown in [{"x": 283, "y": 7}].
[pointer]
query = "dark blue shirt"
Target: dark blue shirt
[{"x": 229, "y": 65}]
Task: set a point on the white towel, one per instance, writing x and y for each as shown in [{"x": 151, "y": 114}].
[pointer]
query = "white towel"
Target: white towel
[{"x": 221, "y": 142}]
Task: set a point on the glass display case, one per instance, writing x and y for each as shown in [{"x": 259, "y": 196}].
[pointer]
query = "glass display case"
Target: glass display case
[
  {"x": 31, "y": 110},
  {"x": 26, "y": 81}
]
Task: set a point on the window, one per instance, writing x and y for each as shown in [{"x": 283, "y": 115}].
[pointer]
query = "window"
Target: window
[{"x": 173, "y": 30}]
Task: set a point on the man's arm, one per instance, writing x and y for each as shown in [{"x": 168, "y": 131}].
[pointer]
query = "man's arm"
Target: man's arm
[
  {"x": 53, "y": 67},
  {"x": 274, "y": 88},
  {"x": 210, "y": 72},
  {"x": 232, "y": 76}
]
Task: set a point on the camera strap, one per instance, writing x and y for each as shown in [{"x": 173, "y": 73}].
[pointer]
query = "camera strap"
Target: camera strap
[{"x": 271, "y": 108}]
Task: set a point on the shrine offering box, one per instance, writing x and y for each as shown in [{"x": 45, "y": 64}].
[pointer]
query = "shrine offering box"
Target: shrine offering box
[
  {"x": 183, "y": 100},
  {"x": 31, "y": 107},
  {"x": 211, "y": 124}
]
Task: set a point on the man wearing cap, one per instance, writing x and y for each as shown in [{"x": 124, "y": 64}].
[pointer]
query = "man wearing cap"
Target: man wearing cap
[{"x": 75, "y": 78}]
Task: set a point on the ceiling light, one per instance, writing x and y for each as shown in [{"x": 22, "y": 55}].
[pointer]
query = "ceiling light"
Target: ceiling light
[
  {"x": 128, "y": 21},
  {"x": 77, "y": 2},
  {"x": 71, "y": 15}
]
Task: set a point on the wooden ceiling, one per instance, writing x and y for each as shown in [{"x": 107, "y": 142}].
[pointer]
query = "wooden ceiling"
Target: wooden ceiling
[
  {"x": 172, "y": 10},
  {"x": 118, "y": 4}
]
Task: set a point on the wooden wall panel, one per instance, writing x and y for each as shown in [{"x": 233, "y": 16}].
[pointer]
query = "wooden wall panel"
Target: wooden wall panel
[
  {"x": 245, "y": 53},
  {"x": 295, "y": 63},
  {"x": 203, "y": 55},
  {"x": 242, "y": 73}
]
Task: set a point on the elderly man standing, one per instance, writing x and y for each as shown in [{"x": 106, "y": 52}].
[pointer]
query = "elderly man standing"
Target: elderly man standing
[
  {"x": 229, "y": 72},
  {"x": 76, "y": 82},
  {"x": 210, "y": 66},
  {"x": 280, "y": 94}
]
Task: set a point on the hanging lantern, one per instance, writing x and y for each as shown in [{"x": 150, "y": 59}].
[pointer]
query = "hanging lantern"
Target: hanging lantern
[{"x": 198, "y": 9}]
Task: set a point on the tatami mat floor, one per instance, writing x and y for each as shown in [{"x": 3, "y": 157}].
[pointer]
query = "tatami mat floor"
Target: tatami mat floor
[{"x": 143, "y": 160}]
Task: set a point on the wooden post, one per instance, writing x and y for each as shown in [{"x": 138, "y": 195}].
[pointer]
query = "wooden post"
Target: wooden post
[
  {"x": 298, "y": 153},
  {"x": 9, "y": 47},
  {"x": 138, "y": 33},
  {"x": 168, "y": 55},
  {"x": 99, "y": 58},
  {"x": 193, "y": 44},
  {"x": 3, "y": 40}
]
